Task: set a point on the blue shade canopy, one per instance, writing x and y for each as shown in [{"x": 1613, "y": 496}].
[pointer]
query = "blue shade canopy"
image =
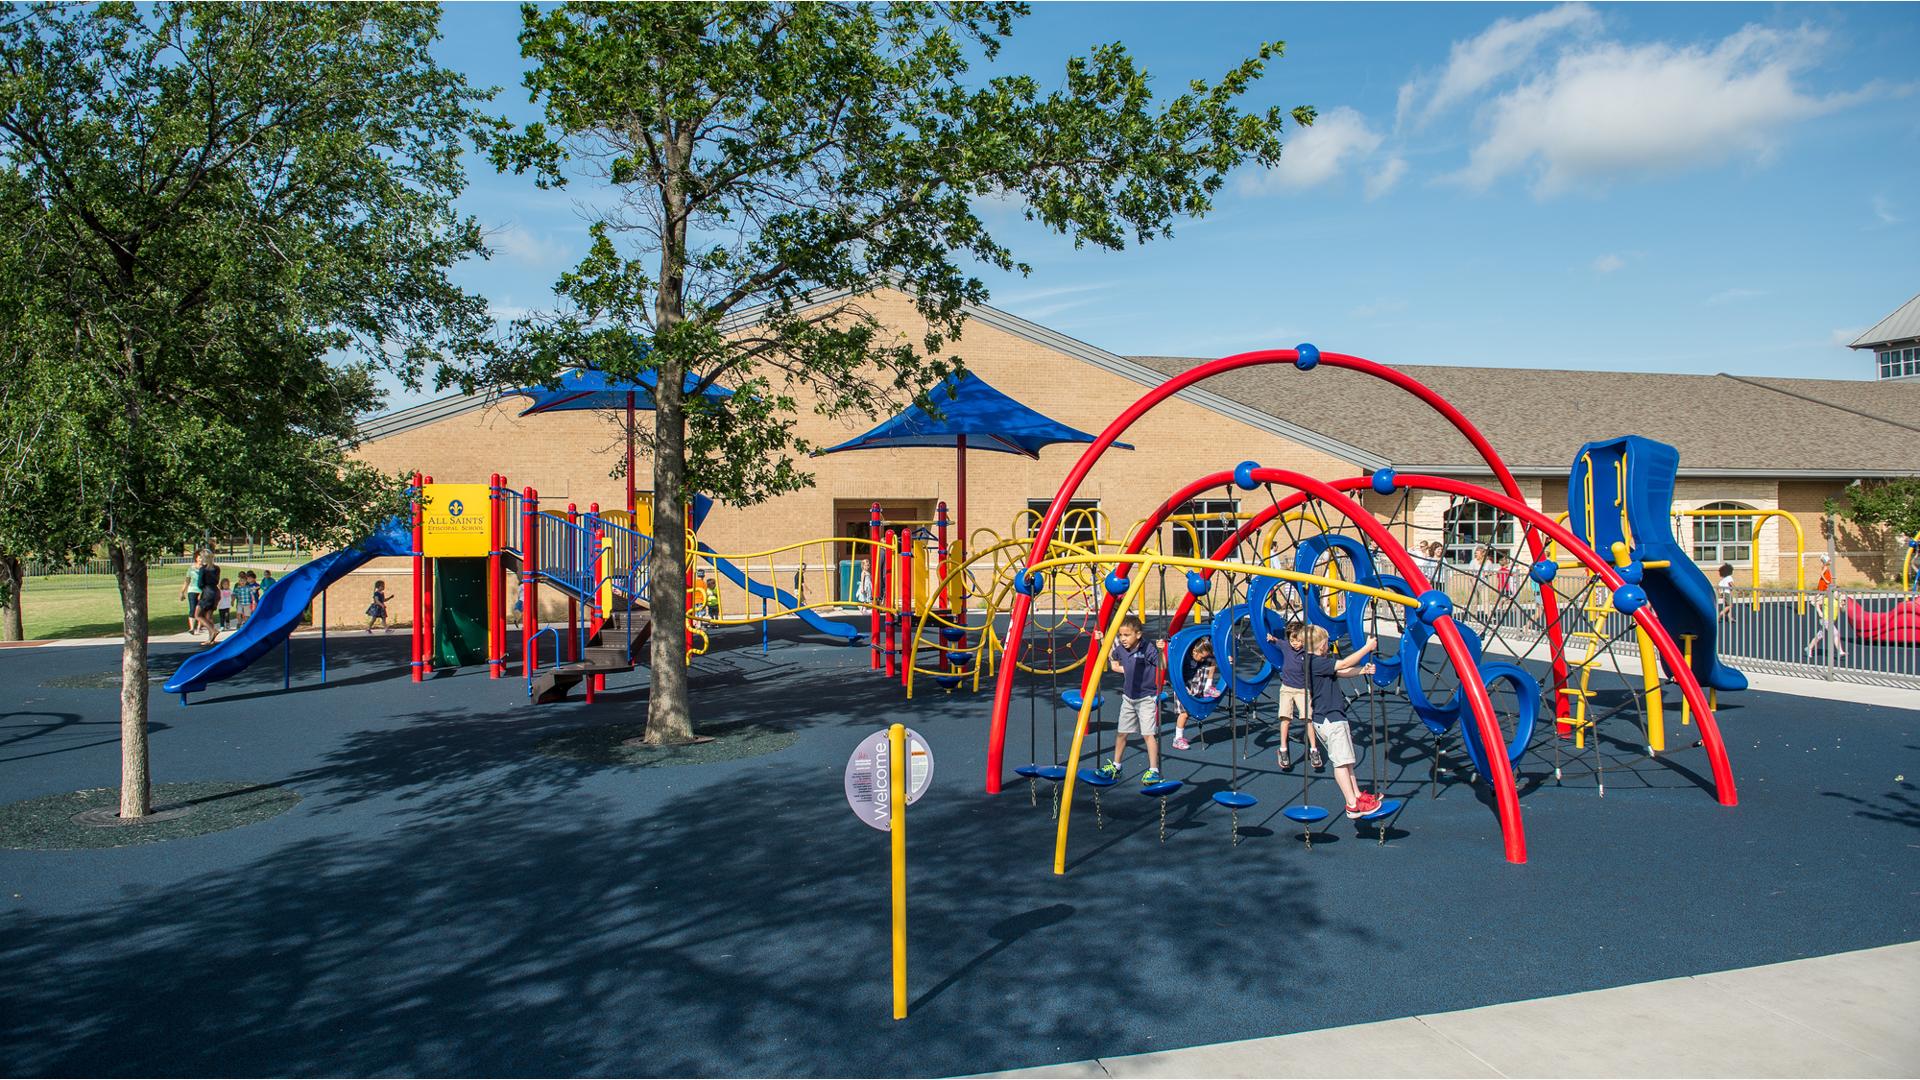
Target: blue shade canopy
[
  {"x": 588, "y": 390},
  {"x": 975, "y": 411}
]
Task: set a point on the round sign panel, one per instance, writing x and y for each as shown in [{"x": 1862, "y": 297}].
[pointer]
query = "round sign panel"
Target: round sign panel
[{"x": 869, "y": 777}]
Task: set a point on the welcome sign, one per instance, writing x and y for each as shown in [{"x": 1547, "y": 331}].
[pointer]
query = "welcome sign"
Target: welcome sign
[{"x": 456, "y": 521}]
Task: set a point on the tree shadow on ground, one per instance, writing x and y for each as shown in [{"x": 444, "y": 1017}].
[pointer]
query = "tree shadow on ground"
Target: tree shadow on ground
[{"x": 710, "y": 936}]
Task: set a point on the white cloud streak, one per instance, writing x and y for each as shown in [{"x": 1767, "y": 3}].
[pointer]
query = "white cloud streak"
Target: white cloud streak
[
  {"x": 1608, "y": 263},
  {"x": 1337, "y": 142},
  {"x": 1612, "y": 110},
  {"x": 1478, "y": 62}
]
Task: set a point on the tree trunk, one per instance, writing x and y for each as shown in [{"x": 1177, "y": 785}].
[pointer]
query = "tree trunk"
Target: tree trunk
[
  {"x": 12, "y": 583},
  {"x": 668, "y": 721},
  {"x": 667, "y": 714},
  {"x": 136, "y": 794}
]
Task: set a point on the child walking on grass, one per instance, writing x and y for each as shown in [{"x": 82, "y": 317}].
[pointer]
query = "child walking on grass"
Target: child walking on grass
[
  {"x": 377, "y": 610},
  {"x": 1137, "y": 661},
  {"x": 1202, "y": 677},
  {"x": 1329, "y": 714}
]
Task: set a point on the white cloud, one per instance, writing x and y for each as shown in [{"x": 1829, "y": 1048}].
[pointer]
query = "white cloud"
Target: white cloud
[
  {"x": 1474, "y": 64},
  {"x": 1388, "y": 175},
  {"x": 1608, "y": 263},
  {"x": 1728, "y": 296},
  {"x": 1338, "y": 140},
  {"x": 1612, "y": 109},
  {"x": 1883, "y": 210},
  {"x": 1844, "y": 338},
  {"x": 523, "y": 246}
]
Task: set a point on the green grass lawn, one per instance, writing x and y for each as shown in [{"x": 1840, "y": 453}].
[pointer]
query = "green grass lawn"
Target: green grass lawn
[{"x": 88, "y": 605}]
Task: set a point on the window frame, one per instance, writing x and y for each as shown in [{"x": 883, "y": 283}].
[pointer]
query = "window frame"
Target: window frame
[
  {"x": 1211, "y": 533},
  {"x": 1492, "y": 528},
  {"x": 1711, "y": 539}
]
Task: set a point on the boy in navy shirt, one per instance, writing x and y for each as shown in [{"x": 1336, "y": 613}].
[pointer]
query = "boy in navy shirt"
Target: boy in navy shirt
[
  {"x": 1328, "y": 711},
  {"x": 1293, "y": 693},
  {"x": 1137, "y": 661}
]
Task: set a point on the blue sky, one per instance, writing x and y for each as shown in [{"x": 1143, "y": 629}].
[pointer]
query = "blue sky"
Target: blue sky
[{"x": 1659, "y": 187}]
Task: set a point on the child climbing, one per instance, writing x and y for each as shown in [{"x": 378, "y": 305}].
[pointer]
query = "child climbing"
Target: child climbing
[
  {"x": 1202, "y": 678},
  {"x": 1293, "y": 694},
  {"x": 1329, "y": 714}
]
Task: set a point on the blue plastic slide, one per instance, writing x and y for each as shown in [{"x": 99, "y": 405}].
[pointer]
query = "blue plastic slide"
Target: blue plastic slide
[
  {"x": 1631, "y": 482},
  {"x": 778, "y": 596},
  {"x": 280, "y": 610}
]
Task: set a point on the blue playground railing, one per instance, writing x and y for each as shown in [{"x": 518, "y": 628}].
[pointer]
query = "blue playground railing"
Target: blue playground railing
[{"x": 566, "y": 553}]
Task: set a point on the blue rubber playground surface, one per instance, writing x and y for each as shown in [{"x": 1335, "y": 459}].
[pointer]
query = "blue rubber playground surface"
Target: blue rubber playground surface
[{"x": 448, "y": 899}]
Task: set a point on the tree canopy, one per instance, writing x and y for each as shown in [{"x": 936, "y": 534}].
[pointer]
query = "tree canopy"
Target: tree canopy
[
  {"x": 220, "y": 220},
  {"x": 772, "y": 163}
]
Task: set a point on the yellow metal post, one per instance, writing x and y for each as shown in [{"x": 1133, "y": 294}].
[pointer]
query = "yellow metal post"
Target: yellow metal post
[
  {"x": 897, "y": 829},
  {"x": 1650, "y": 678},
  {"x": 1686, "y": 709}
]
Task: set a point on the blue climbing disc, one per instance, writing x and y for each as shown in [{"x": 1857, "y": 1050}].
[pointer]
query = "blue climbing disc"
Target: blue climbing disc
[
  {"x": 1238, "y": 800},
  {"x": 1162, "y": 789},
  {"x": 1093, "y": 778},
  {"x": 1305, "y": 815},
  {"x": 1052, "y": 772},
  {"x": 947, "y": 681},
  {"x": 959, "y": 658},
  {"x": 1072, "y": 698},
  {"x": 1388, "y": 807},
  {"x": 1028, "y": 771}
]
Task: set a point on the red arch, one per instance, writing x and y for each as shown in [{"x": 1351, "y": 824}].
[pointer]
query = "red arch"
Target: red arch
[
  {"x": 1710, "y": 738},
  {"x": 1050, "y": 524},
  {"x": 1505, "y": 796}
]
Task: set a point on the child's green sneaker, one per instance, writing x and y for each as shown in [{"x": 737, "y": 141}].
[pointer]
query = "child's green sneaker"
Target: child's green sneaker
[
  {"x": 1111, "y": 770},
  {"x": 1151, "y": 776}
]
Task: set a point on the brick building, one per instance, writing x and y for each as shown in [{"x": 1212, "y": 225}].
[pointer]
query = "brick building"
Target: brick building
[{"x": 1785, "y": 444}]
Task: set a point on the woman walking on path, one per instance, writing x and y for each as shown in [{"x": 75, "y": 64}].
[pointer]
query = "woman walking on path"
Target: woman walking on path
[{"x": 209, "y": 596}]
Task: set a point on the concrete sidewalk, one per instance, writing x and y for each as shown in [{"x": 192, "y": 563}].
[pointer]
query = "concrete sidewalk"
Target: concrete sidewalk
[{"x": 1850, "y": 1014}]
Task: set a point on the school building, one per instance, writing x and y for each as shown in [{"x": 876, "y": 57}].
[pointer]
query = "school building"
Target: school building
[{"x": 1745, "y": 443}]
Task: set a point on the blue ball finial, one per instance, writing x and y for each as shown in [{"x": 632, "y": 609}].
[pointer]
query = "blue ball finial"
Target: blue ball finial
[
  {"x": 1243, "y": 475},
  {"x": 1309, "y": 356},
  {"x": 1383, "y": 480},
  {"x": 1198, "y": 583},
  {"x": 1116, "y": 584},
  {"x": 1633, "y": 573},
  {"x": 1434, "y": 606},
  {"x": 1543, "y": 571},
  {"x": 1029, "y": 582},
  {"x": 1629, "y": 598}
]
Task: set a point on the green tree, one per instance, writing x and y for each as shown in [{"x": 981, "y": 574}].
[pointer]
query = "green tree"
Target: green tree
[
  {"x": 212, "y": 205},
  {"x": 1894, "y": 504},
  {"x": 765, "y": 155}
]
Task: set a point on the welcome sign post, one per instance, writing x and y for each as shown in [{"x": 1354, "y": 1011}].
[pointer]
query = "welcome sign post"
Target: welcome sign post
[{"x": 879, "y": 789}]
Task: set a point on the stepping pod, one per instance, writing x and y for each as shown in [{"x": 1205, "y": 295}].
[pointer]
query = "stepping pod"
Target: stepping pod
[
  {"x": 1234, "y": 801},
  {"x": 1093, "y": 779}
]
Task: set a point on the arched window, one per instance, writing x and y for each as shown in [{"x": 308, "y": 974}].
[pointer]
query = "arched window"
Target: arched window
[
  {"x": 1723, "y": 539},
  {"x": 1471, "y": 525}
]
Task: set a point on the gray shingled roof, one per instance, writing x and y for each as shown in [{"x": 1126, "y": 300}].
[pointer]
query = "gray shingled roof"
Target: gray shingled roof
[
  {"x": 1902, "y": 325},
  {"x": 1537, "y": 419}
]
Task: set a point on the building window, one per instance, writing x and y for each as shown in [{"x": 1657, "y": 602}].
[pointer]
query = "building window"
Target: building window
[
  {"x": 1079, "y": 525},
  {"x": 1218, "y": 521},
  {"x": 1719, "y": 539},
  {"x": 1473, "y": 525}
]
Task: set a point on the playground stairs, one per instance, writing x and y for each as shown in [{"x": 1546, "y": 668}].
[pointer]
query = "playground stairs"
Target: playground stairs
[{"x": 606, "y": 653}]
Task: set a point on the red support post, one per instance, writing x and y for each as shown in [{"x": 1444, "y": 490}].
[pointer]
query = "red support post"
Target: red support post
[
  {"x": 946, "y": 592},
  {"x": 495, "y": 638},
  {"x": 529, "y": 588},
  {"x": 890, "y": 550},
  {"x": 426, "y": 612},
  {"x": 596, "y": 618},
  {"x": 418, "y": 660},
  {"x": 873, "y": 585},
  {"x": 905, "y": 617},
  {"x": 573, "y": 605}
]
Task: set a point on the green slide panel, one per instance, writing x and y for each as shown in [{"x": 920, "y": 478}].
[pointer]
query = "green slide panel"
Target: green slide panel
[{"x": 459, "y": 613}]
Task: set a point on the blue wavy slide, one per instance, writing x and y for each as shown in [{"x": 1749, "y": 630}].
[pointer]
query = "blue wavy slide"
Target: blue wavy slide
[
  {"x": 779, "y": 596},
  {"x": 280, "y": 610}
]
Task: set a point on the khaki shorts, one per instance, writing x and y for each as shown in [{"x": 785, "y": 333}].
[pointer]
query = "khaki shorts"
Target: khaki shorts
[
  {"x": 1139, "y": 716},
  {"x": 1336, "y": 739},
  {"x": 1293, "y": 703}
]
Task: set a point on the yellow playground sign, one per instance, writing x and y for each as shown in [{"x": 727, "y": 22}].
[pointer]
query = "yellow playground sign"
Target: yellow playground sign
[{"x": 456, "y": 521}]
